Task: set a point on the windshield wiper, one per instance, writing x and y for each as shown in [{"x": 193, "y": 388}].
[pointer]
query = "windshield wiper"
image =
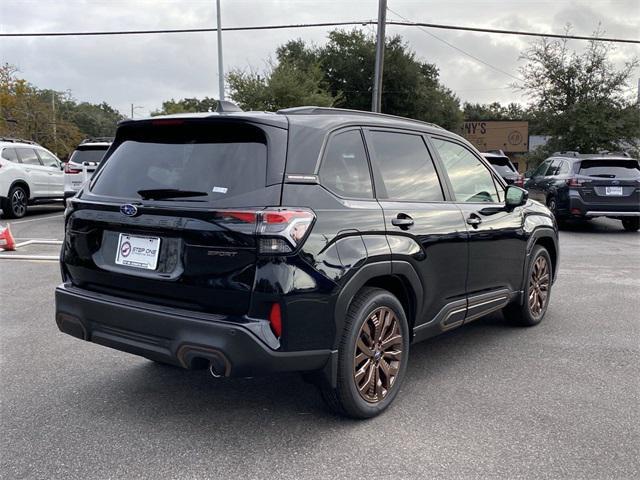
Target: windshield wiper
[{"x": 164, "y": 193}]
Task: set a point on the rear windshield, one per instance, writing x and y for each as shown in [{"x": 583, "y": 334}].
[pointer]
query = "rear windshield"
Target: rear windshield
[
  {"x": 204, "y": 162},
  {"x": 610, "y": 168},
  {"x": 88, "y": 154},
  {"x": 502, "y": 165}
]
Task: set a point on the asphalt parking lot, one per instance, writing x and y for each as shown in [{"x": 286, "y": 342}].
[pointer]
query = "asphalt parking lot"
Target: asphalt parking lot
[{"x": 486, "y": 401}]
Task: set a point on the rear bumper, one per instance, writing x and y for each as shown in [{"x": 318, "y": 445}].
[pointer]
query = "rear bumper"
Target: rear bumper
[
  {"x": 623, "y": 208},
  {"x": 179, "y": 337}
]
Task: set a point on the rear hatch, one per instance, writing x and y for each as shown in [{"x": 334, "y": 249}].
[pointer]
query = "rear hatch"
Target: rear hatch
[
  {"x": 609, "y": 181},
  {"x": 505, "y": 168},
  {"x": 83, "y": 162},
  {"x": 164, "y": 218}
]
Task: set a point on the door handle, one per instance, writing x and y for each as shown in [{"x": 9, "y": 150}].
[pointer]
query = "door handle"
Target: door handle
[
  {"x": 402, "y": 220},
  {"x": 474, "y": 220}
]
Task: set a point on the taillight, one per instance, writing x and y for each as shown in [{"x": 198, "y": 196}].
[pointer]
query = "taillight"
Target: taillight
[
  {"x": 275, "y": 319},
  {"x": 69, "y": 169},
  {"x": 519, "y": 182},
  {"x": 574, "y": 182},
  {"x": 279, "y": 230}
]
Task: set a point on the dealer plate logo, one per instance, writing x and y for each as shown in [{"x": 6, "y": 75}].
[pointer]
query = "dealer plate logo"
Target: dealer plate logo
[{"x": 125, "y": 249}]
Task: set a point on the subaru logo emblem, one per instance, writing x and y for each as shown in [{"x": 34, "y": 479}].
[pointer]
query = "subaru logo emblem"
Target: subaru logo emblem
[{"x": 129, "y": 210}]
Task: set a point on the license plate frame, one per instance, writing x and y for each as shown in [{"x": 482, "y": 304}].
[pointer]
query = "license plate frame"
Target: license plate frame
[
  {"x": 613, "y": 191},
  {"x": 138, "y": 251}
]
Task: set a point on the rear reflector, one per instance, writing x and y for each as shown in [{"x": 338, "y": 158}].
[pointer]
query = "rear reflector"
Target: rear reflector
[
  {"x": 275, "y": 319},
  {"x": 576, "y": 211}
]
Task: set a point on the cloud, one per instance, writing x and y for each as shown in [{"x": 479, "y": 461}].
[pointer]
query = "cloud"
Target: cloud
[{"x": 145, "y": 70}]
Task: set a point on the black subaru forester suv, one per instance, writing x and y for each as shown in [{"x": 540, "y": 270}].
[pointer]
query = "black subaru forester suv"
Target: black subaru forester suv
[{"x": 316, "y": 240}]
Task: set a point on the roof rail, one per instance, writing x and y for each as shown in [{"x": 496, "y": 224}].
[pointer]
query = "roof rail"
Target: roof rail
[
  {"x": 568, "y": 153},
  {"x": 97, "y": 139},
  {"x": 312, "y": 110},
  {"x": 617, "y": 154},
  {"x": 18, "y": 140}
]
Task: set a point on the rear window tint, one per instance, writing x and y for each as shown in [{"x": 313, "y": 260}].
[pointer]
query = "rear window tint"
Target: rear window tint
[
  {"x": 501, "y": 165},
  {"x": 610, "y": 168},
  {"x": 88, "y": 154},
  {"x": 10, "y": 154},
  {"x": 219, "y": 161},
  {"x": 345, "y": 170}
]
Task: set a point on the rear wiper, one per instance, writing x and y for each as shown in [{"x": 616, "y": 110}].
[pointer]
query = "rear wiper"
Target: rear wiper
[{"x": 162, "y": 193}]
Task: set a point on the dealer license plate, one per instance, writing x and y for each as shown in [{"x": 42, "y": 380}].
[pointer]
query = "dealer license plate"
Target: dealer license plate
[{"x": 137, "y": 251}]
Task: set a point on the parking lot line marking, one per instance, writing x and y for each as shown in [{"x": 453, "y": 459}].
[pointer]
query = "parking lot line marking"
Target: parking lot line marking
[
  {"x": 51, "y": 258},
  {"x": 36, "y": 219},
  {"x": 38, "y": 242}
]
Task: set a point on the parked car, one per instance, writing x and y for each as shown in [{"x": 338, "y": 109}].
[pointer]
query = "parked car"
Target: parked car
[
  {"x": 83, "y": 162},
  {"x": 502, "y": 164},
  {"x": 29, "y": 173},
  {"x": 584, "y": 186},
  {"x": 311, "y": 239}
]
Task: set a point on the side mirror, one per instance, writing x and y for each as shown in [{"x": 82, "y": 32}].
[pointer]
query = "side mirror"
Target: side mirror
[
  {"x": 62, "y": 165},
  {"x": 515, "y": 196}
]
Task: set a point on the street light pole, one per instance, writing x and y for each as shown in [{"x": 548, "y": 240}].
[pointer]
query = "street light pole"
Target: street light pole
[
  {"x": 376, "y": 98},
  {"x": 220, "y": 65}
]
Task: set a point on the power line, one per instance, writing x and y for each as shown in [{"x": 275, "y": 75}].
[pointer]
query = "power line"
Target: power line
[
  {"x": 323, "y": 24},
  {"x": 499, "y": 70}
]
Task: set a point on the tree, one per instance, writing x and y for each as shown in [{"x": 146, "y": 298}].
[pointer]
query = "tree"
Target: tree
[
  {"x": 494, "y": 111},
  {"x": 187, "y": 105},
  {"x": 285, "y": 85},
  {"x": 340, "y": 74},
  {"x": 53, "y": 119},
  {"x": 579, "y": 99}
]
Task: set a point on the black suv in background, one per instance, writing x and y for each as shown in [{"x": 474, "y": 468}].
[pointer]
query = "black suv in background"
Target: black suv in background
[
  {"x": 310, "y": 239},
  {"x": 583, "y": 186},
  {"x": 502, "y": 164}
]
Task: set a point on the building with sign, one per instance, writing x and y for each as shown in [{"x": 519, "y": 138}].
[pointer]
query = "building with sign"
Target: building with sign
[{"x": 508, "y": 136}]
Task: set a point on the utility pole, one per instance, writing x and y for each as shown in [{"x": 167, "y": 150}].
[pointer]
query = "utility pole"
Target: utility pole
[
  {"x": 376, "y": 98},
  {"x": 53, "y": 122},
  {"x": 220, "y": 65}
]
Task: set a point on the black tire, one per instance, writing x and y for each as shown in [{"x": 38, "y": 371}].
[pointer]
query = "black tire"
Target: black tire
[
  {"x": 370, "y": 305},
  {"x": 15, "y": 205},
  {"x": 631, "y": 224},
  {"x": 532, "y": 312}
]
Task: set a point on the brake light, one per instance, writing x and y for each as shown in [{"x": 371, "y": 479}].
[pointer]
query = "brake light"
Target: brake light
[
  {"x": 70, "y": 170},
  {"x": 275, "y": 319},
  {"x": 574, "y": 182},
  {"x": 519, "y": 182},
  {"x": 279, "y": 230}
]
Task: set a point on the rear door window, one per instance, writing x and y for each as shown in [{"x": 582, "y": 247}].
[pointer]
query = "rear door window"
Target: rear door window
[
  {"x": 10, "y": 154},
  {"x": 406, "y": 167},
  {"x": 470, "y": 178},
  {"x": 345, "y": 169},
  {"x": 198, "y": 163},
  {"x": 28, "y": 156},
  {"x": 610, "y": 168}
]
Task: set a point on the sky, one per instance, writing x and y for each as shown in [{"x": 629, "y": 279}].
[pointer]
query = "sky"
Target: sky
[{"x": 145, "y": 70}]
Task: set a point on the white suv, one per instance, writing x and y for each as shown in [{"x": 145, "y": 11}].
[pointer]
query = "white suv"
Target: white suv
[
  {"x": 83, "y": 162},
  {"x": 29, "y": 174}
]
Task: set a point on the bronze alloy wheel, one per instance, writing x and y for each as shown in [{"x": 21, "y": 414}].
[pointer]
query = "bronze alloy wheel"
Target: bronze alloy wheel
[
  {"x": 378, "y": 355},
  {"x": 539, "y": 286}
]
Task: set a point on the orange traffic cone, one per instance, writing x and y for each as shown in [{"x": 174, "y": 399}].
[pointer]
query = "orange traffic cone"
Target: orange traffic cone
[{"x": 6, "y": 239}]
